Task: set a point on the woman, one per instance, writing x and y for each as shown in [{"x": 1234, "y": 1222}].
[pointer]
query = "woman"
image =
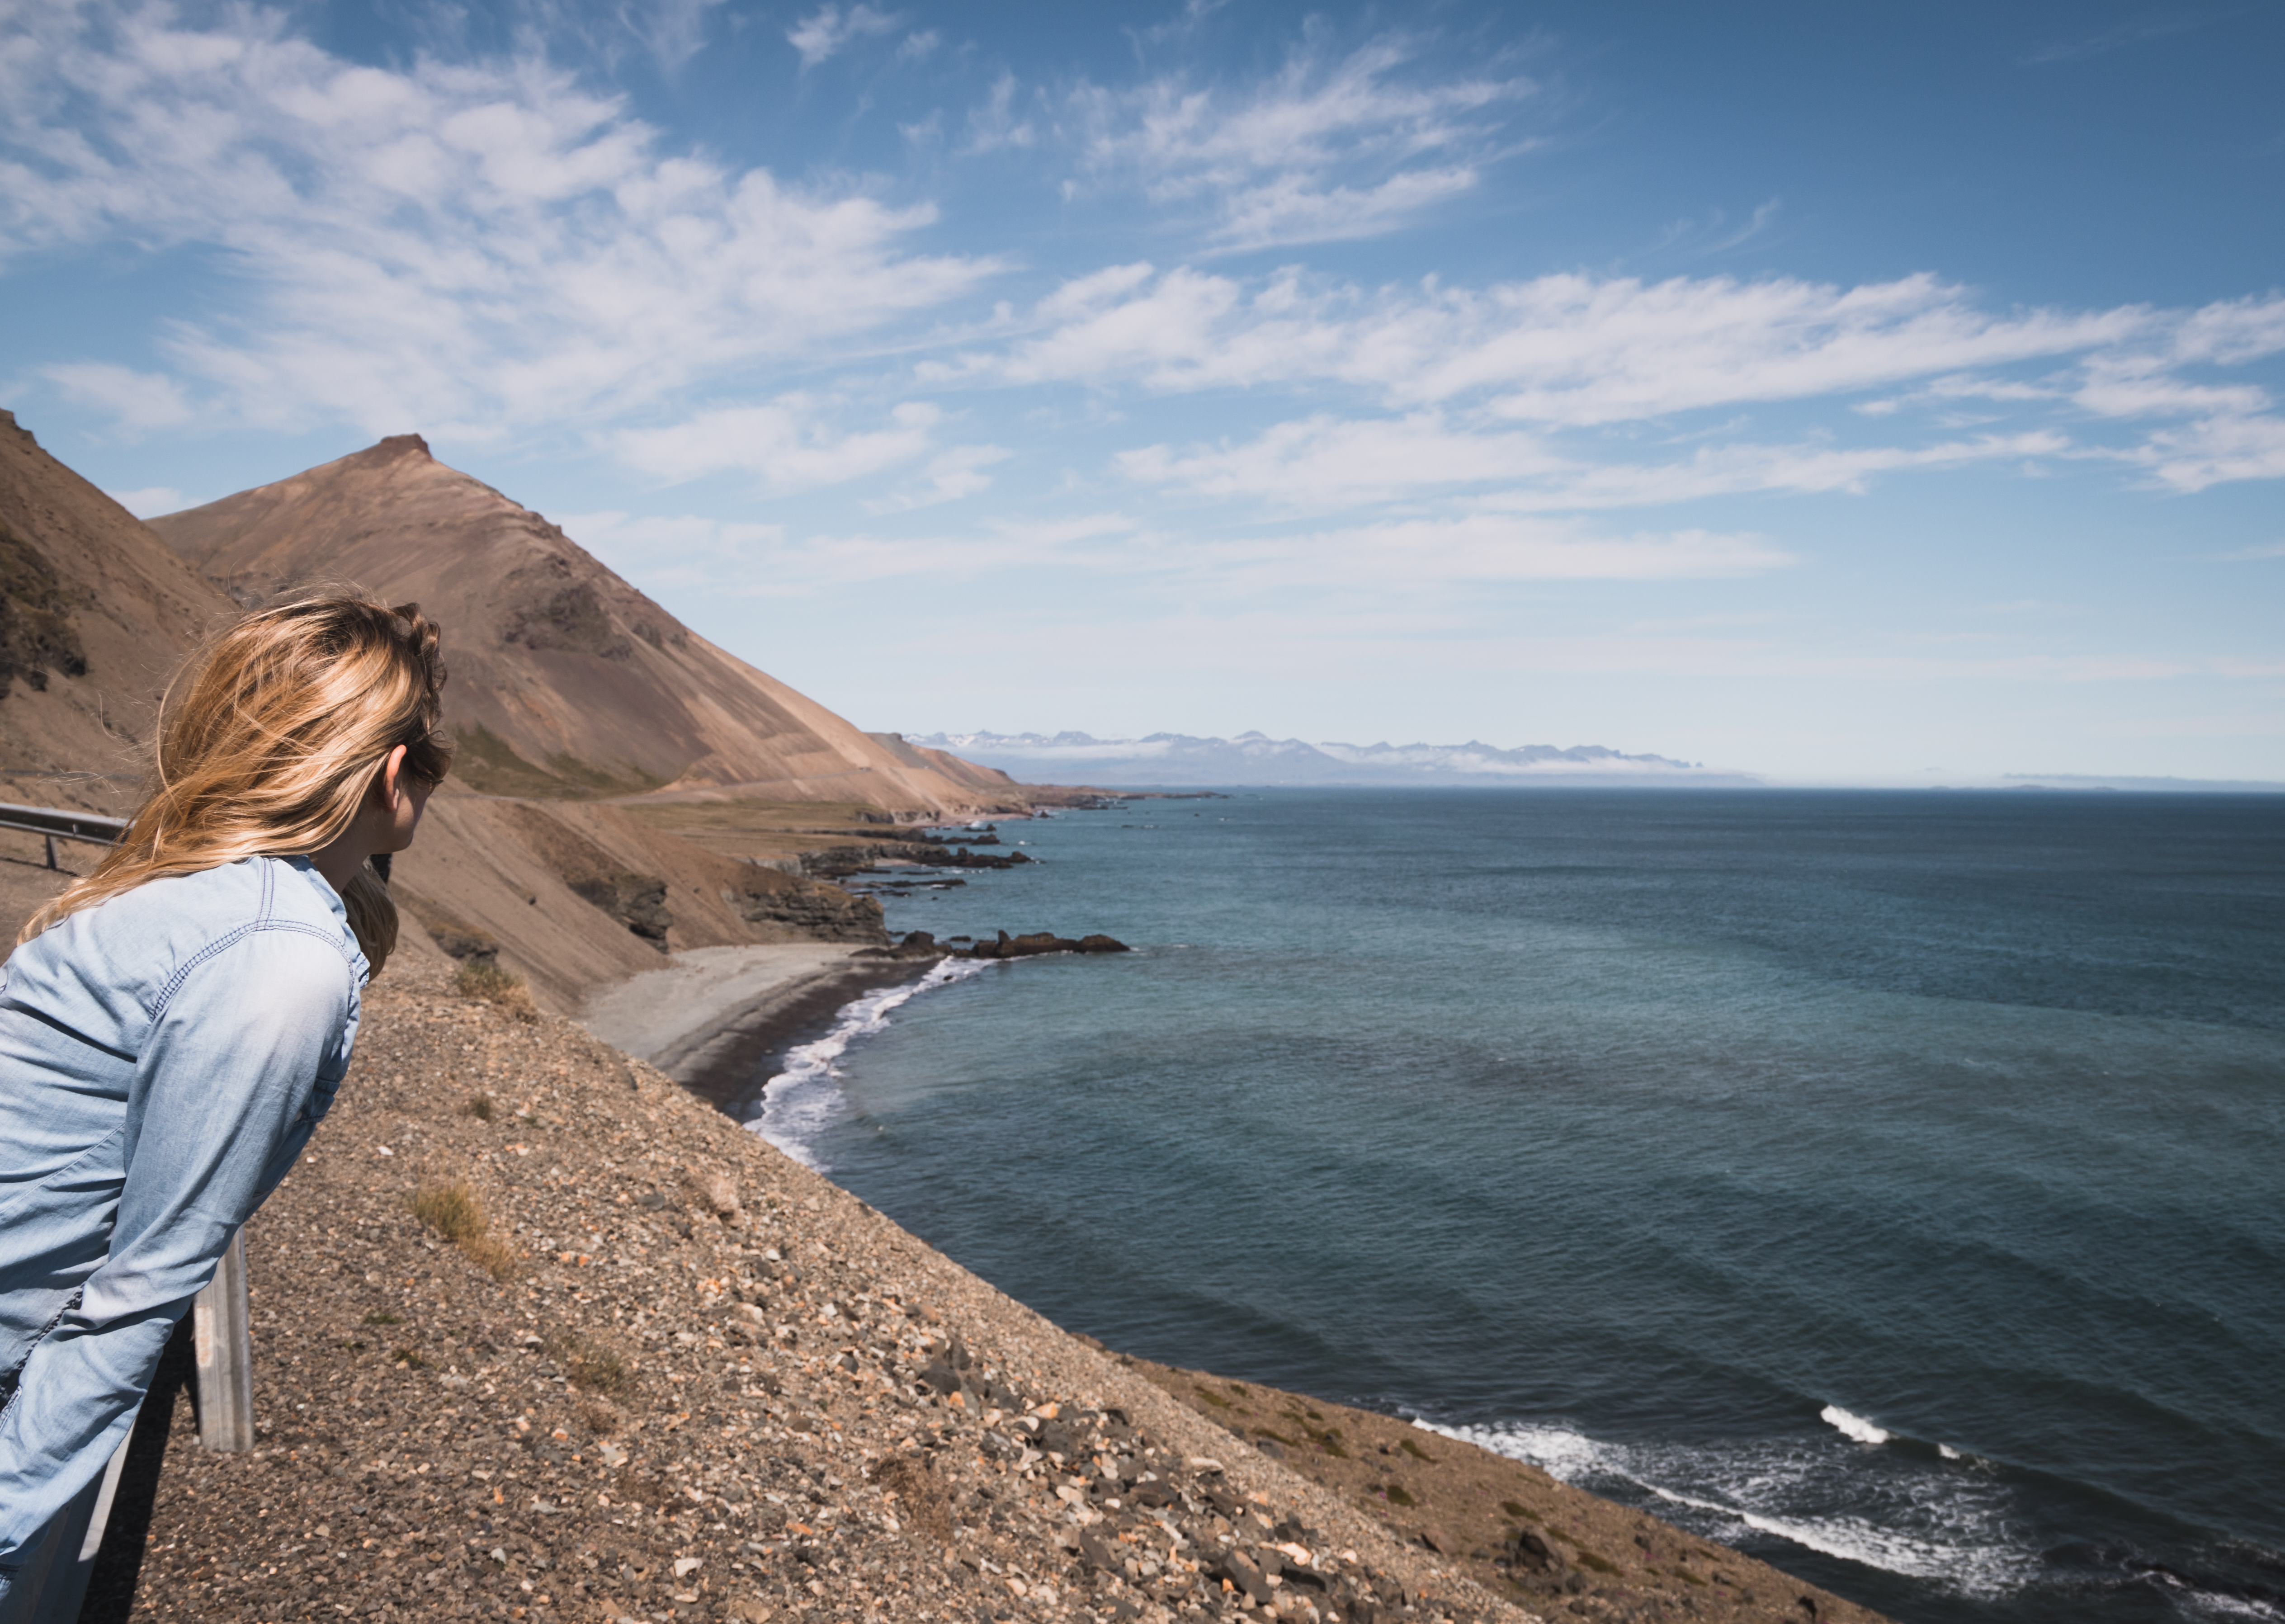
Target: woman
[{"x": 174, "y": 1024}]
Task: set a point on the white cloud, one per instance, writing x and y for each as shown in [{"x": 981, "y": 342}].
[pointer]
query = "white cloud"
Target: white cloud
[
  {"x": 151, "y": 501},
  {"x": 785, "y": 442},
  {"x": 137, "y": 401},
  {"x": 2137, "y": 386},
  {"x": 1742, "y": 468},
  {"x": 471, "y": 248},
  {"x": 1570, "y": 350},
  {"x": 1324, "y": 461},
  {"x": 1290, "y": 210},
  {"x": 950, "y": 475},
  {"x": 2213, "y": 451},
  {"x": 1495, "y": 547},
  {"x": 2231, "y": 331},
  {"x": 993, "y": 125},
  {"x": 830, "y": 29},
  {"x": 1322, "y": 149}
]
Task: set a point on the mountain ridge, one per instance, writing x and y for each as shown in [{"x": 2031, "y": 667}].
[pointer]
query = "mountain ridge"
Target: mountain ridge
[
  {"x": 1254, "y": 758},
  {"x": 568, "y": 682}
]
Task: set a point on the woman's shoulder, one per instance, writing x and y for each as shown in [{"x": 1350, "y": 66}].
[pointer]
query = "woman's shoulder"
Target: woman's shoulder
[
  {"x": 164, "y": 927},
  {"x": 265, "y": 924}
]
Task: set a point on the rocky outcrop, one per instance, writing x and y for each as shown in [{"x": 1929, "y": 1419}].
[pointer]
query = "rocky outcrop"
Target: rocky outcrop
[
  {"x": 636, "y": 900},
  {"x": 36, "y": 629},
  {"x": 93, "y": 598},
  {"x": 821, "y": 912},
  {"x": 1042, "y": 942}
]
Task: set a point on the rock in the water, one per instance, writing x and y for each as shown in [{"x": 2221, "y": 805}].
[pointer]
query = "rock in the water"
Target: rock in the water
[{"x": 1039, "y": 942}]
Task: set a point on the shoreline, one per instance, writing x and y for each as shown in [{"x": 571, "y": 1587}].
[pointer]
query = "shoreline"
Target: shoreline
[
  {"x": 712, "y": 1015},
  {"x": 1503, "y": 1528}
]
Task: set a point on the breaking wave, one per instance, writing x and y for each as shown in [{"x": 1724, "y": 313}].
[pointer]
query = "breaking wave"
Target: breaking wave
[{"x": 800, "y": 1102}]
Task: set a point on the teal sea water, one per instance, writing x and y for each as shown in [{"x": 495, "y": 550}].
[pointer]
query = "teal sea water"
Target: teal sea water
[{"x": 1887, "y": 1184}]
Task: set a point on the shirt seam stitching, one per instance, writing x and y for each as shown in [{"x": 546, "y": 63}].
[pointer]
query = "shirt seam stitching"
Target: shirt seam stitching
[{"x": 174, "y": 983}]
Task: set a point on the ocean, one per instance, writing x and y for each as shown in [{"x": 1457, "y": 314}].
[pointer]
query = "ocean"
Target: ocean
[{"x": 1887, "y": 1184}]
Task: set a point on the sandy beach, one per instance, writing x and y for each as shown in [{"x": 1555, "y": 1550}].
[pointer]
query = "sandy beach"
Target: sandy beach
[{"x": 711, "y": 1016}]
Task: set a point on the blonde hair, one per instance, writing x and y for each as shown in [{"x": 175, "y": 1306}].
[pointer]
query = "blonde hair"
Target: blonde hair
[{"x": 284, "y": 718}]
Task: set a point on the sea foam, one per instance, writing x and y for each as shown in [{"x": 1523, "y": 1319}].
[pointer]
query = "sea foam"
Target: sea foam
[
  {"x": 1853, "y": 1426},
  {"x": 802, "y": 1102},
  {"x": 1905, "y": 1518}
]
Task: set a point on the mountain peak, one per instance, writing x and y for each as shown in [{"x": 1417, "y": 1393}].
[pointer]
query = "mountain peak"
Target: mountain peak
[
  {"x": 566, "y": 680},
  {"x": 397, "y": 446}
]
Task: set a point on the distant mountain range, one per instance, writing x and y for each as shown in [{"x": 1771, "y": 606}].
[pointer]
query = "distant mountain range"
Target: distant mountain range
[{"x": 1256, "y": 758}]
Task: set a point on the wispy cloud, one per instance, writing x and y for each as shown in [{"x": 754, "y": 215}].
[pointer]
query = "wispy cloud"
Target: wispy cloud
[
  {"x": 1323, "y": 463},
  {"x": 994, "y": 124},
  {"x": 1717, "y": 232},
  {"x": 949, "y": 476},
  {"x": 2119, "y": 36},
  {"x": 470, "y": 247},
  {"x": 150, "y": 501},
  {"x": 1568, "y": 349},
  {"x": 135, "y": 401},
  {"x": 1326, "y": 148},
  {"x": 787, "y": 444},
  {"x": 2212, "y": 452},
  {"x": 832, "y": 28}
]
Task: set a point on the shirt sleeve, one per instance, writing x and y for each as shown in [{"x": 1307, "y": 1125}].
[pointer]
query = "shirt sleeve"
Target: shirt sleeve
[{"x": 220, "y": 1105}]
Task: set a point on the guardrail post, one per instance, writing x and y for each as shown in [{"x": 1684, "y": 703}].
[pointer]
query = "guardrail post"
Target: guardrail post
[
  {"x": 51, "y": 851},
  {"x": 51, "y": 1587},
  {"x": 224, "y": 1344}
]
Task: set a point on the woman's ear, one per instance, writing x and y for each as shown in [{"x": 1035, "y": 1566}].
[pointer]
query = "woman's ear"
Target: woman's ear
[{"x": 390, "y": 779}]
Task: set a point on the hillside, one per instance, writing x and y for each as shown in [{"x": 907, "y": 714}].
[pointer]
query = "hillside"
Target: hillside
[
  {"x": 95, "y": 614},
  {"x": 668, "y": 1373},
  {"x": 566, "y": 680}
]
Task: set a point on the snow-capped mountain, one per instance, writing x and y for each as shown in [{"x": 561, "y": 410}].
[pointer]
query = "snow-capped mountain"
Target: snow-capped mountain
[{"x": 1256, "y": 758}]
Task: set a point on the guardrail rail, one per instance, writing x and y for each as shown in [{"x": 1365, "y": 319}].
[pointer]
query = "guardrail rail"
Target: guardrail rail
[{"x": 61, "y": 823}]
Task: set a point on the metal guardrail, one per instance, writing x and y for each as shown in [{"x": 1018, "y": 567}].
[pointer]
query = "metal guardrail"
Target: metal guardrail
[
  {"x": 59, "y": 823},
  {"x": 49, "y": 1588}
]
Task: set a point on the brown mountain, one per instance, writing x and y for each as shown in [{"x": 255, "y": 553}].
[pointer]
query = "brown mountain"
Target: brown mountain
[
  {"x": 558, "y": 667},
  {"x": 95, "y": 614},
  {"x": 566, "y": 680}
]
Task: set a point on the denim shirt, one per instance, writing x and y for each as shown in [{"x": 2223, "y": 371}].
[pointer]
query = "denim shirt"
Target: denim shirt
[{"x": 163, "y": 1059}]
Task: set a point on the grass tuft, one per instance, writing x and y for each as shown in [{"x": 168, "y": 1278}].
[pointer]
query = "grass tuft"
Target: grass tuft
[
  {"x": 451, "y": 1208},
  {"x": 484, "y": 977},
  {"x": 592, "y": 1367},
  {"x": 1414, "y": 1450},
  {"x": 492, "y": 1255},
  {"x": 381, "y": 1316},
  {"x": 454, "y": 1211},
  {"x": 1398, "y": 1494},
  {"x": 479, "y": 1107}
]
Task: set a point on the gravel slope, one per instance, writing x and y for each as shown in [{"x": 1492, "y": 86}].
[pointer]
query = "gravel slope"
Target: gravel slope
[{"x": 678, "y": 1375}]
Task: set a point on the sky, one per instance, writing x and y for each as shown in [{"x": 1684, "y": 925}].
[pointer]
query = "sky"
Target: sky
[{"x": 1850, "y": 395}]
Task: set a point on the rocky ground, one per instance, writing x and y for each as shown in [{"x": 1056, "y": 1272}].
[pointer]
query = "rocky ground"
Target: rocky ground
[
  {"x": 671, "y": 1373},
  {"x": 539, "y": 1336}
]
